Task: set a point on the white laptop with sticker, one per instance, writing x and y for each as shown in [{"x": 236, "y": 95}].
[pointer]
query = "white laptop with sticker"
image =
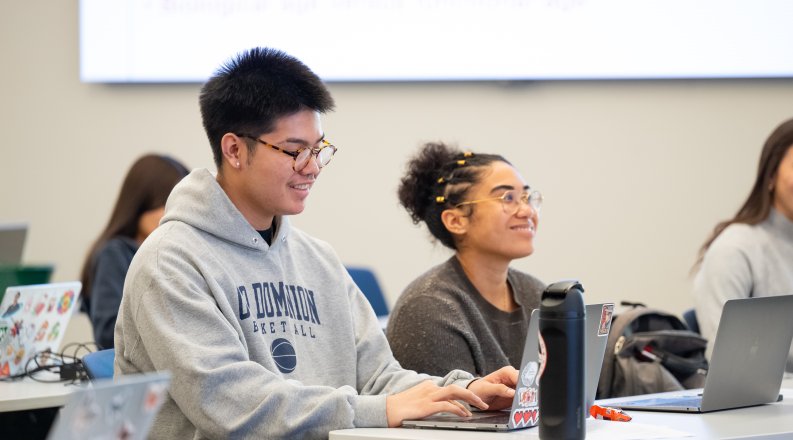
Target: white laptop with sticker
[
  {"x": 33, "y": 319},
  {"x": 525, "y": 406},
  {"x": 121, "y": 408}
]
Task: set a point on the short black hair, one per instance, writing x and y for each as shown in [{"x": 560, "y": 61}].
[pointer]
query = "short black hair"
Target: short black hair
[{"x": 250, "y": 92}]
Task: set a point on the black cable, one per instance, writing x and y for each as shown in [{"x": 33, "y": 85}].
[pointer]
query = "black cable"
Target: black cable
[{"x": 68, "y": 368}]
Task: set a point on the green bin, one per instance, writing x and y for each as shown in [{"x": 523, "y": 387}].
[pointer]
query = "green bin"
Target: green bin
[{"x": 15, "y": 275}]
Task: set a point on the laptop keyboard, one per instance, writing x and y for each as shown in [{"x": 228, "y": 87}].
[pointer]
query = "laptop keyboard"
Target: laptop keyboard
[
  {"x": 485, "y": 417},
  {"x": 693, "y": 402}
]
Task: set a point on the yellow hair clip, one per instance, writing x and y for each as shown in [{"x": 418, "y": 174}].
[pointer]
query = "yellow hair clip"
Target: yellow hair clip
[
  {"x": 440, "y": 180},
  {"x": 440, "y": 199},
  {"x": 468, "y": 154},
  {"x": 460, "y": 162}
]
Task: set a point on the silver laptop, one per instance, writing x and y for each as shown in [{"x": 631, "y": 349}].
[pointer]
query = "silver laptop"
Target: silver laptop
[
  {"x": 123, "y": 408},
  {"x": 747, "y": 365},
  {"x": 12, "y": 242},
  {"x": 525, "y": 409}
]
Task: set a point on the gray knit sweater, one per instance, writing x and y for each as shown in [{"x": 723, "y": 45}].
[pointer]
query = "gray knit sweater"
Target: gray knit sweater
[{"x": 441, "y": 322}]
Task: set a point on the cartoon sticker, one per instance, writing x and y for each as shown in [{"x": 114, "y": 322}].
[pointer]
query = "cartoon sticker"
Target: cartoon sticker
[
  {"x": 56, "y": 330},
  {"x": 13, "y": 307},
  {"x": 66, "y": 302},
  {"x": 529, "y": 373},
  {"x": 39, "y": 307},
  {"x": 116, "y": 409},
  {"x": 126, "y": 430},
  {"x": 86, "y": 414},
  {"x": 605, "y": 319},
  {"x": 527, "y": 396},
  {"x": 42, "y": 331},
  {"x": 525, "y": 417},
  {"x": 155, "y": 395}
]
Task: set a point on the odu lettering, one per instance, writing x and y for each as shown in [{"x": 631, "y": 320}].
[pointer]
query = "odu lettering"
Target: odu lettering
[
  {"x": 281, "y": 300},
  {"x": 245, "y": 309}
]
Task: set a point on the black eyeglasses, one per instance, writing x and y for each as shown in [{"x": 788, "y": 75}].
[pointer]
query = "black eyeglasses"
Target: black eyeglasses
[{"x": 324, "y": 153}]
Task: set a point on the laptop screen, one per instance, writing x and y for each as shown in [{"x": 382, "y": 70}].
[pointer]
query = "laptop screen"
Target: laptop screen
[{"x": 12, "y": 242}]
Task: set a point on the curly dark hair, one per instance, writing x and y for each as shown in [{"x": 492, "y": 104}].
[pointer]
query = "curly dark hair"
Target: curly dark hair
[{"x": 439, "y": 177}]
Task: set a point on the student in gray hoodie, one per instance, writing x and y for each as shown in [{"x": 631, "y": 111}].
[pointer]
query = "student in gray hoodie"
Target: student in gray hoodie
[{"x": 264, "y": 332}]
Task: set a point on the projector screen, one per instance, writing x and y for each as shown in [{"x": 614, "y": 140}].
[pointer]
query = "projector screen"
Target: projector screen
[{"x": 440, "y": 40}]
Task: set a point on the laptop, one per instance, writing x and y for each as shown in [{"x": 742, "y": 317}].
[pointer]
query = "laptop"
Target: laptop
[
  {"x": 747, "y": 365},
  {"x": 12, "y": 242},
  {"x": 33, "y": 319},
  {"x": 525, "y": 409},
  {"x": 123, "y": 408}
]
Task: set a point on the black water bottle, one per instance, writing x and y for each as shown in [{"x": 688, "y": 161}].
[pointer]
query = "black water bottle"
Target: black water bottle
[{"x": 562, "y": 395}]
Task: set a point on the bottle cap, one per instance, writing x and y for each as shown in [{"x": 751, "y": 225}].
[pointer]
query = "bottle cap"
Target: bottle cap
[{"x": 563, "y": 299}]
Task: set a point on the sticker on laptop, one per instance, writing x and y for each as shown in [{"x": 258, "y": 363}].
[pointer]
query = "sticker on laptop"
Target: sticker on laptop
[
  {"x": 606, "y": 314},
  {"x": 525, "y": 416},
  {"x": 529, "y": 373},
  {"x": 527, "y": 396}
]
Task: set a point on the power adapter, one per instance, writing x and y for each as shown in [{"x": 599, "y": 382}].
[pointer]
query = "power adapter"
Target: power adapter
[{"x": 72, "y": 371}]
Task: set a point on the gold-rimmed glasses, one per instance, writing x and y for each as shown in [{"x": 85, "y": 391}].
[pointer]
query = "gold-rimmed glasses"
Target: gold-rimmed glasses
[
  {"x": 511, "y": 201},
  {"x": 324, "y": 152}
]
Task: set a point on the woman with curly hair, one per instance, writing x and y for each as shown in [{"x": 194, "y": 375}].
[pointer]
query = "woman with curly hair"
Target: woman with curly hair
[{"x": 471, "y": 312}]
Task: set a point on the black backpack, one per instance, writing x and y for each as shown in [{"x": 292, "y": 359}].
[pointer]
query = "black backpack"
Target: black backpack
[{"x": 651, "y": 351}]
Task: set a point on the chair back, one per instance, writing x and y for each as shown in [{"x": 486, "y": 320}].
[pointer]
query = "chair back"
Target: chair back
[
  {"x": 99, "y": 364},
  {"x": 690, "y": 317},
  {"x": 367, "y": 282}
]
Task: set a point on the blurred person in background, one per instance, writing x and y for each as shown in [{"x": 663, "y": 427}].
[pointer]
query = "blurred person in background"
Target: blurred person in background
[{"x": 138, "y": 210}]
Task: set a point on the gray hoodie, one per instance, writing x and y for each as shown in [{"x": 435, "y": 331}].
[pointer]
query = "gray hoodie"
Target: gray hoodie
[{"x": 261, "y": 341}]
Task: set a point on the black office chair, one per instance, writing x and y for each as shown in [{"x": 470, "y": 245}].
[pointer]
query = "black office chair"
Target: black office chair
[{"x": 690, "y": 317}]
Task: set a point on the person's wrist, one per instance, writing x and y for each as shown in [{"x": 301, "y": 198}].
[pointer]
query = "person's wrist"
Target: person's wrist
[{"x": 472, "y": 381}]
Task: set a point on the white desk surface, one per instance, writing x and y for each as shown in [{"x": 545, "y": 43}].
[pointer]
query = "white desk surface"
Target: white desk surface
[
  {"x": 772, "y": 421},
  {"x": 28, "y": 394}
]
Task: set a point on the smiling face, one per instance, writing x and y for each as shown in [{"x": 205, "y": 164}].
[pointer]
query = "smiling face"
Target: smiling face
[
  {"x": 491, "y": 229},
  {"x": 263, "y": 185}
]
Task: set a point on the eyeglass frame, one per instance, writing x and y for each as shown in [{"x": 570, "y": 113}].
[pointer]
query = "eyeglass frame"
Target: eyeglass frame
[
  {"x": 314, "y": 150},
  {"x": 528, "y": 196}
]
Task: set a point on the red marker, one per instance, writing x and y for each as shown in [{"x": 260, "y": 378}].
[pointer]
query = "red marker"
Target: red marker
[{"x": 607, "y": 413}]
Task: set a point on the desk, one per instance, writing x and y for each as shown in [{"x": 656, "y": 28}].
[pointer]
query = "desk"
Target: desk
[
  {"x": 28, "y": 408},
  {"x": 773, "y": 422},
  {"x": 28, "y": 394}
]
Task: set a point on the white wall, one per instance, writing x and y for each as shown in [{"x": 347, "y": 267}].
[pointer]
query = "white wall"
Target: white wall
[{"x": 635, "y": 173}]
